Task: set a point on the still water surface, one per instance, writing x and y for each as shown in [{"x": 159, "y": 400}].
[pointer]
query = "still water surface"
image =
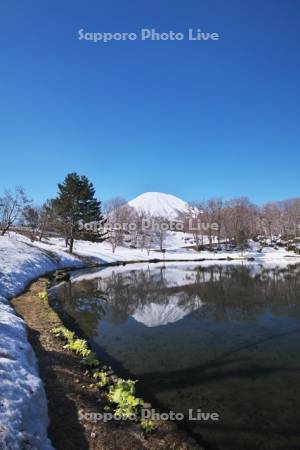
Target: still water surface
[{"x": 224, "y": 339}]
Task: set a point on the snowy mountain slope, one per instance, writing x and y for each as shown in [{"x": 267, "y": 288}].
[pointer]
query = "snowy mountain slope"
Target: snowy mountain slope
[{"x": 159, "y": 204}]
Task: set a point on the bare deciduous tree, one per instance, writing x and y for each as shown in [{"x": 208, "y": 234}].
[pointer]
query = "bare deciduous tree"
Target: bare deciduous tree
[
  {"x": 12, "y": 205},
  {"x": 119, "y": 216}
]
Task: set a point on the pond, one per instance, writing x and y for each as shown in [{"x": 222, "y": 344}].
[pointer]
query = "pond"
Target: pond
[{"x": 223, "y": 339}]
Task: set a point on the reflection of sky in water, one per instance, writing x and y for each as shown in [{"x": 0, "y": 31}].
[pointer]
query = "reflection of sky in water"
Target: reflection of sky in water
[{"x": 221, "y": 338}]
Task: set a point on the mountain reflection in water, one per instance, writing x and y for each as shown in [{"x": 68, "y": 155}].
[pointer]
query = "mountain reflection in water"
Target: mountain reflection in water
[{"x": 220, "y": 338}]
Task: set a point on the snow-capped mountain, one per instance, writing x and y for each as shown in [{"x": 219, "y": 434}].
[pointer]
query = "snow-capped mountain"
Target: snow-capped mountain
[{"x": 159, "y": 204}]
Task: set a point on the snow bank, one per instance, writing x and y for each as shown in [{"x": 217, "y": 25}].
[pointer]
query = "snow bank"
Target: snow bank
[
  {"x": 21, "y": 262},
  {"x": 23, "y": 404}
]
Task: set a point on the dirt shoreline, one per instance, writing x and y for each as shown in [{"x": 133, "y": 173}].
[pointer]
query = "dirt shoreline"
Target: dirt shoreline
[{"x": 69, "y": 391}]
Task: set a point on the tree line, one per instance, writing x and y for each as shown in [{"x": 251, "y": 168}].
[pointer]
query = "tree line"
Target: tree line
[
  {"x": 238, "y": 220},
  {"x": 75, "y": 202}
]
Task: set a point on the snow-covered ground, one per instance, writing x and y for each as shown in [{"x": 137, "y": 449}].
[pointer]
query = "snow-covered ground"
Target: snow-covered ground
[
  {"x": 23, "y": 406},
  {"x": 21, "y": 262},
  {"x": 176, "y": 250}
]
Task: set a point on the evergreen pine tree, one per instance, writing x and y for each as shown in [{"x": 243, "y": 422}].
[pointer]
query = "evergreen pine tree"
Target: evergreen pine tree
[
  {"x": 242, "y": 240},
  {"x": 77, "y": 205}
]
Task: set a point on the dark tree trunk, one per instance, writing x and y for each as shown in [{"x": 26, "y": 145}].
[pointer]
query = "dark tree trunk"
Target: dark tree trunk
[
  {"x": 42, "y": 232},
  {"x": 5, "y": 229},
  {"x": 71, "y": 243},
  {"x": 210, "y": 242},
  {"x": 66, "y": 238}
]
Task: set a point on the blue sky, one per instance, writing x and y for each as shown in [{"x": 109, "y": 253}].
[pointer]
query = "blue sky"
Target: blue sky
[{"x": 196, "y": 119}]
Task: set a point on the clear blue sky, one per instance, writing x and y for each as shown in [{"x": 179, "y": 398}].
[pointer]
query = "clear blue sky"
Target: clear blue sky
[{"x": 189, "y": 118}]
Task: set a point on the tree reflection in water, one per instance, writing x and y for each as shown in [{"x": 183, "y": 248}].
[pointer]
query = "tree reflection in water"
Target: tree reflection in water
[{"x": 221, "y": 338}]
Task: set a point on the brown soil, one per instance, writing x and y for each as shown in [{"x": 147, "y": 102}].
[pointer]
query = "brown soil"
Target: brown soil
[{"x": 68, "y": 391}]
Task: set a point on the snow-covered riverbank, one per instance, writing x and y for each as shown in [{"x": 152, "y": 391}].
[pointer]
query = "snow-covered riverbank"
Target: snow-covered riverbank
[{"x": 23, "y": 405}]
